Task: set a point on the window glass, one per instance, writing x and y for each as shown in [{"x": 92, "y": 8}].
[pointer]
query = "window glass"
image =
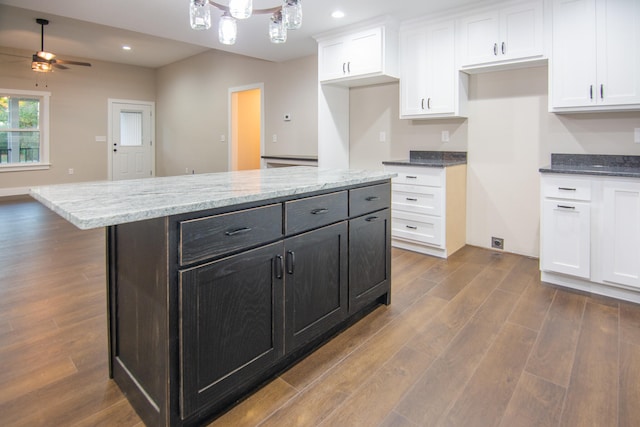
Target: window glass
[{"x": 20, "y": 133}]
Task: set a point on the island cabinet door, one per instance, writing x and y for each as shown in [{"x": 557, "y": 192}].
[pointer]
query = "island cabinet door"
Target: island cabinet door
[
  {"x": 369, "y": 258},
  {"x": 315, "y": 283},
  {"x": 231, "y": 324}
]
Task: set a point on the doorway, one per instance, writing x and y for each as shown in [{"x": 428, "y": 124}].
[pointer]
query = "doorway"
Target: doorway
[
  {"x": 246, "y": 127},
  {"x": 131, "y": 149}
]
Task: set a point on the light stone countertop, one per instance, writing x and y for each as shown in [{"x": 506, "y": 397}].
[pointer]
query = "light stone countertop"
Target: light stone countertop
[{"x": 104, "y": 203}]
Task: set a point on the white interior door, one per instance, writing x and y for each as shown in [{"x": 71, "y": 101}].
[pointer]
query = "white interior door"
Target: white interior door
[{"x": 131, "y": 142}]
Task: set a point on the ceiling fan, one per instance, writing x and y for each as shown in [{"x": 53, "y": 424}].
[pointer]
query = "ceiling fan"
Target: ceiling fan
[{"x": 44, "y": 62}]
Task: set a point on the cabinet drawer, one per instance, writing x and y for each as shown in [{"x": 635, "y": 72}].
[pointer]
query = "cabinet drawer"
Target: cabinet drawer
[
  {"x": 428, "y": 202},
  {"x": 314, "y": 212},
  {"x": 429, "y": 176},
  {"x": 569, "y": 188},
  {"x": 369, "y": 199},
  {"x": 419, "y": 228},
  {"x": 204, "y": 238}
]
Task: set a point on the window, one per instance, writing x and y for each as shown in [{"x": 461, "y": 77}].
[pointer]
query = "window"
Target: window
[{"x": 24, "y": 130}]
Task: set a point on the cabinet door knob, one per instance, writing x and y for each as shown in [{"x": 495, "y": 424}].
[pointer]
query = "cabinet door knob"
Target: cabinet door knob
[
  {"x": 412, "y": 227},
  {"x": 412, "y": 177},
  {"x": 429, "y": 103},
  {"x": 344, "y": 68},
  {"x": 319, "y": 211},
  {"x": 566, "y": 207},
  {"x": 278, "y": 266},
  {"x": 422, "y": 104},
  {"x": 591, "y": 92},
  {"x": 371, "y": 219},
  {"x": 291, "y": 260},
  {"x": 566, "y": 189},
  {"x": 411, "y": 199},
  {"x": 504, "y": 48},
  {"x": 349, "y": 67},
  {"x": 601, "y": 91},
  {"x": 495, "y": 49},
  {"x": 372, "y": 198}
]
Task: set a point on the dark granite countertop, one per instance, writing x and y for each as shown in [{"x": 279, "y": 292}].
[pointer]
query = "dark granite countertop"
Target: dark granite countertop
[
  {"x": 594, "y": 164},
  {"x": 431, "y": 159}
]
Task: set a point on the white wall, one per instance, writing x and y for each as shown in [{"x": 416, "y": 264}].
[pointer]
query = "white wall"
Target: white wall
[
  {"x": 79, "y": 107},
  {"x": 509, "y": 135},
  {"x": 192, "y": 104}
]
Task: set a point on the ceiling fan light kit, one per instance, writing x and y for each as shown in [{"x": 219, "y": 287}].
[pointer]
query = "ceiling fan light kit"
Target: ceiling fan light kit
[
  {"x": 286, "y": 16},
  {"x": 43, "y": 61}
]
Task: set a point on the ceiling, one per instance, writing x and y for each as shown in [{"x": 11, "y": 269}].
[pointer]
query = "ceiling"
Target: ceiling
[{"x": 159, "y": 33}]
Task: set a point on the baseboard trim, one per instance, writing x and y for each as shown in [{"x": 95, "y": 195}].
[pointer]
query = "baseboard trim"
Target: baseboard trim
[{"x": 16, "y": 191}]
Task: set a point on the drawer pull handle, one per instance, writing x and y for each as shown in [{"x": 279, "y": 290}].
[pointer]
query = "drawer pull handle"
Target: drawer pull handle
[
  {"x": 237, "y": 231},
  {"x": 371, "y": 219},
  {"x": 319, "y": 211},
  {"x": 278, "y": 266},
  {"x": 372, "y": 198},
  {"x": 291, "y": 260},
  {"x": 566, "y": 189},
  {"x": 566, "y": 207},
  {"x": 412, "y": 177},
  {"x": 412, "y": 227},
  {"x": 411, "y": 199}
]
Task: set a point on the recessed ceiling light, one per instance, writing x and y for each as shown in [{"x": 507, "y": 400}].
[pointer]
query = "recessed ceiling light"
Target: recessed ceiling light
[
  {"x": 337, "y": 14},
  {"x": 126, "y": 47}
]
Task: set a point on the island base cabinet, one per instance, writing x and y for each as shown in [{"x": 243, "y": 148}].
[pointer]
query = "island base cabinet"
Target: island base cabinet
[
  {"x": 231, "y": 323},
  {"x": 369, "y": 259},
  {"x": 315, "y": 283}
]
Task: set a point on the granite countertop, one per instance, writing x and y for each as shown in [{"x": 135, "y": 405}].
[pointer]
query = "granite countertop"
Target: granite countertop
[
  {"x": 104, "y": 203},
  {"x": 431, "y": 159},
  {"x": 594, "y": 164},
  {"x": 292, "y": 157}
]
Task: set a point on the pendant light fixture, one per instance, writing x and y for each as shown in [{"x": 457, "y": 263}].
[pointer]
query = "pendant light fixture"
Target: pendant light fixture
[
  {"x": 200, "y": 14},
  {"x": 277, "y": 28},
  {"x": 292, "y": 14},
  {"x": 241, "y": 9},
  {"x": 286, "y": 16},
  {"x": 227, "y": 29}
]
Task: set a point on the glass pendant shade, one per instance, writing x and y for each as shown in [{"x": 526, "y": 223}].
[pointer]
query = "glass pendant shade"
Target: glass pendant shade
[
  {"x": 227, "y": 30},
  {"x": 277, "y": 29},
  {"x": 241, "y": 9},
  {"x": 200, "y": 14},
  {"x": 292, "y": 14}
]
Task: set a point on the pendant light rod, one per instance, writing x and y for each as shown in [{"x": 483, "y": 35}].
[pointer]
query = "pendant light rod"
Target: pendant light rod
[
  {"x": 271, "y": 10},
  {"x": 42, "y": 23}
]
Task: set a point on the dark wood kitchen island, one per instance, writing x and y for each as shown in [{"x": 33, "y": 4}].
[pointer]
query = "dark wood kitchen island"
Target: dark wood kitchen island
[{"x": 217, "y": 282}]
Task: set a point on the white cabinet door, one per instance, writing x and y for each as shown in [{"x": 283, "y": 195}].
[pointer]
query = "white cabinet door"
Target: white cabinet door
[
  {"x": 595, "y": 62},
  {"x": 332, "y": 57},
  {"x": 566, "y": 237},
  {"x": 413, "y": 65},
  {"x": 481, "y": 34},
  {"x": 621, "y": 233},
  {"x": 618, "y": 65},
  {"x": 352, "y": 55},
  {"x": 364, "y": 54},
  {"x": 429, "y": 78},
  {"x": 504, "y": 35}
]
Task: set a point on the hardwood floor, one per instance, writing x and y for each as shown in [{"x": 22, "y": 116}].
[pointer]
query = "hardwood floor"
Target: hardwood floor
[{"x": 475, "y": 340}]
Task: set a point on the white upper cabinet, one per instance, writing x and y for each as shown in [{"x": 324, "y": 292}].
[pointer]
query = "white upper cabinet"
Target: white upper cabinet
[
  {"x": 363, "y": 57},
  {"x": 430, "y": 84},
  {"x": 595, "y": 62},
  {"x": 503, "y": 36}
]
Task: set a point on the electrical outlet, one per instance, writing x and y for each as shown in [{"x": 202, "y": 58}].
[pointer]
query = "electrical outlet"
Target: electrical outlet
[
  {"x": 223, "y": 138},
  {"x": 383, "y": 136},
  {"x": 71, "y": 171},
  {"x": 274, "y": 138},
  {"x": 445, "y": 136},
  {"x": 636, "y": 135},
  {"x": 497, "y": 243}
]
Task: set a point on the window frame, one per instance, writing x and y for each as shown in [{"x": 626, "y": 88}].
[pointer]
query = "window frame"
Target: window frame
[{"x": 44, "y": 162}]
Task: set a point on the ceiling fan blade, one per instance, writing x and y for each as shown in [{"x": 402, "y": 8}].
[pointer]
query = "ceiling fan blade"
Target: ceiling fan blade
[
  {"x": 64, "y": 61},
  {"x": 58, "y": 66}
]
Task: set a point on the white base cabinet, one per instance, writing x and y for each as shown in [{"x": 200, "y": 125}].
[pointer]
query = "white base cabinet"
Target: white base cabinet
[
  {"x": 428, "y": 213},
  {"x": 590, "y": 234}
]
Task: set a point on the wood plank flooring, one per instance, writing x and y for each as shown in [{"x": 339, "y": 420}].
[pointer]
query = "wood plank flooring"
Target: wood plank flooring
[{"x": 475, "y": 340}]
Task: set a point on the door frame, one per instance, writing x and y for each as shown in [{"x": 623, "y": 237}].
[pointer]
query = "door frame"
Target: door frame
[
  {"x": 233, "y": 90},
  {"x": 110, "y": 103}
]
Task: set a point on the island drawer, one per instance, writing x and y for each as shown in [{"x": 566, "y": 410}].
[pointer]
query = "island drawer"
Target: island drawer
[
  {"x": 313, "y": 212},
  {"x": 566, "y": 187},
  {"x": 211, "y": 236},
  {"x": 369, "y": 199}
]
